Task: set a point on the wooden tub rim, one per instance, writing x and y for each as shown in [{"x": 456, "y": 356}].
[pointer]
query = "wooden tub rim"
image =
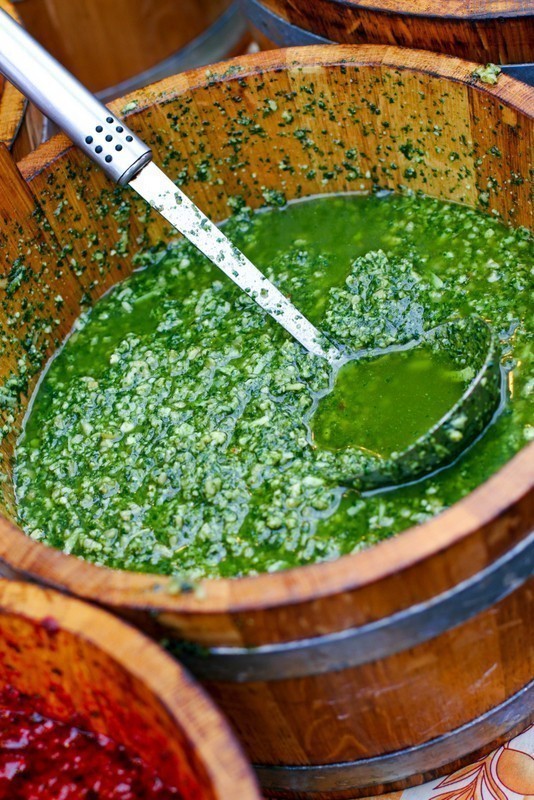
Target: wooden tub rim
[
  {"x": 164, "y": 677},
  {"x": 492, "y": 499},
  {"x": 510, "y": 91},
  {"x": 434, "y": 8}
]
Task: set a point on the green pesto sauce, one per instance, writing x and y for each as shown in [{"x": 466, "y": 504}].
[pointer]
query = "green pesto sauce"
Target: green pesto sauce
[{"x": 175, "y": 430}]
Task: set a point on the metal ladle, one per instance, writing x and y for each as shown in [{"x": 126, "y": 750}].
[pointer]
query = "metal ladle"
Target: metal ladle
[{"x": 126, "y": 159}]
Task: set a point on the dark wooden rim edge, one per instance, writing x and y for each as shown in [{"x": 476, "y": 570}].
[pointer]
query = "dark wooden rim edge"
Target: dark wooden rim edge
[
  {"x": 435, "y": 13},
  {"x": 284, "y": 33}
]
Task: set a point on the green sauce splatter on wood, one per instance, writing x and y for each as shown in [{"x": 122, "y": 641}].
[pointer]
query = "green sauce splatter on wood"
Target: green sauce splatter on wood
[{"x": 488, "y": 74}]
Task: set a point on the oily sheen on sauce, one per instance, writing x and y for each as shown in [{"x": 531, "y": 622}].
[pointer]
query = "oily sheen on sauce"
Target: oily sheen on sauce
[{"x": 176, "y": 431}]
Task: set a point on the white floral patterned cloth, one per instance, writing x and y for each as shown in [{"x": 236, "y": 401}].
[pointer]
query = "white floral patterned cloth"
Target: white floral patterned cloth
[{"x": 505, "y": 774}]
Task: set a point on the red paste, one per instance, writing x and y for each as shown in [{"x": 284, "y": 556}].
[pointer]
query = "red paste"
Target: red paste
[{"x": 41, "y": 759}]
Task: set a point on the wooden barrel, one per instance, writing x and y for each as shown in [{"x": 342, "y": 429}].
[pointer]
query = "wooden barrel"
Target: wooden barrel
[
  {"x": 500, "y": 32},
  {"x": 114, "y": 47},
  {"x": 21, "y": 124},
  {"x": 384, "y": 667},
  {"x": 82, "y": 666}
]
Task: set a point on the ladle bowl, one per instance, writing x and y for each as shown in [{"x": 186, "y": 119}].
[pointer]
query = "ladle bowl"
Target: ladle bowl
[{"x": 472, "y": 345}]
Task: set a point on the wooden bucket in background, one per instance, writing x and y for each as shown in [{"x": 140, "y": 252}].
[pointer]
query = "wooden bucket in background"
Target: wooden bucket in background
[
  {"x": 21, "y": 124},
  {"x": 385, "y": 667},
  {"x": 115, "y": 46},
  {"x": 84, "y": 667},
  {"x": 496, "y": 31}
]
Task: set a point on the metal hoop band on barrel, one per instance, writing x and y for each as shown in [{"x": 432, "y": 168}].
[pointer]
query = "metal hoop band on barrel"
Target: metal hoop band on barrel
[
  {"x": 285, "y": 34},
  {"x": 402, "y": 764},
  {"x": 354, "y": 646}
]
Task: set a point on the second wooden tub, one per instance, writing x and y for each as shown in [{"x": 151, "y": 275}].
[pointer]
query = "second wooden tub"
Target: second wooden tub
[
  {"x": 77, "y": 665},
  {"x": 500, "y": 31},
  {"x": 383, "y": 667}
]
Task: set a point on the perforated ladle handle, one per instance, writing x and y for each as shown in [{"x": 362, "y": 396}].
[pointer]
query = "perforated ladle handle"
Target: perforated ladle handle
[{"x": 63, "y": 99}]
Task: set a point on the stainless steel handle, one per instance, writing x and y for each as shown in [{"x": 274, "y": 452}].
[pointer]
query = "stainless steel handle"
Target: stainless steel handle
[{"x": 62, "y": 98}]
